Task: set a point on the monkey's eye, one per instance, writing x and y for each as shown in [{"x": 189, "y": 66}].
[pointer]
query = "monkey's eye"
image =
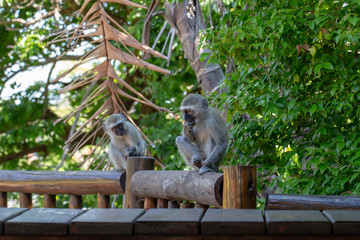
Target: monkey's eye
[{"x": 189, "y": 111}]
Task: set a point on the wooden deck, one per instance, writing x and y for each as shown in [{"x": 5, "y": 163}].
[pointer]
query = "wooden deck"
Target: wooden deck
[{"x": 56, "y": 224}]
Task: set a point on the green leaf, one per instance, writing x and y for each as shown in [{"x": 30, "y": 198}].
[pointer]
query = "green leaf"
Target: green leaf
[
  {"x": 327, "y": 65},
  {"x": 291, "y": 104},
  {"x": 353, "y": 20},
  {"x": 353, "y": 177},
  {"x": 250, "y": 62},
  {"x": 340, "y": 146},
  {"x": 312, "y": 51},
  {"x": 312, "y": 109},
  {"x": 317, "y": 68}
]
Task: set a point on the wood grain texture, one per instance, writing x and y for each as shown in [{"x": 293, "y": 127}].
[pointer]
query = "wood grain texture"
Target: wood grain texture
[
  {"x": 179, "y": 185},
  {"x": 54, "y": 182},
  {"x": 105, "y": 222},
  {"x": 239, "y": 187},
  {"x": 311, "y": 202},
  {"x": 295, "y": 222},
  {"x": 25, "y": 200},
  {"x": 75, "y": 201},
  {"x": 3, "y": 199},
  {"x": 149, "y": 203},
  {"x": 345, "y": 222},
  {"x": 7, "y": 213},
  {"x": 233, "y": 222},
  {"x": 162, "y": 203},
  {"x": 41, "y": 221},
  {"x": 103, "y": 201},
  {"x": 49, "y": 201},
  {"x": 169, "y": 222},
  {"x": 133, "y": 165}
]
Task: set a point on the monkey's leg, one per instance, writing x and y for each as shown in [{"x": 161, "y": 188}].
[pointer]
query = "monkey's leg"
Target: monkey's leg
[
  {"x": 189, "y": 151},
  {"x": 117, "y": 158}
]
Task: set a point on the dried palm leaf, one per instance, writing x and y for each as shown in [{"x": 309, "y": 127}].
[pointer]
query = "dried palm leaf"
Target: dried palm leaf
[{"x": 112, "y": 42}]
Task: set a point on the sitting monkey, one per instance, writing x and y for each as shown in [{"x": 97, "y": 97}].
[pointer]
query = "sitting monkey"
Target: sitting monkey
[
  {"x": 126, "y": 140},
  {"x": 204, "y": 139}
]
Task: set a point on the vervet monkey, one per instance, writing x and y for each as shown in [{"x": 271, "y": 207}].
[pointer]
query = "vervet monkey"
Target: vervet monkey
[
  {"x": 204, "y": 139},
  {"x": 126, "y": 140}
]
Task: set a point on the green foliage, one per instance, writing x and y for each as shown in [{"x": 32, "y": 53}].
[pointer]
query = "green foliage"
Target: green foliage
[{"x": 297, "y": 78}]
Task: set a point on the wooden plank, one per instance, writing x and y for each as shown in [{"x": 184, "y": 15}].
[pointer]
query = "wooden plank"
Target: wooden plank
[
  {"x": 239, "y": 187},
  {"x": 57, "y": 182},
  {"x": 41, "y": 221},
  {"x": 233, "y": 222},
  {"x": 105, "y": 222},
  {"x": 297, "y": 222},
  {"x": 162, "y": 203},
  {"x": 311, "y": 202},
  {"x": 345, "y": 222},
  {"x": 170, "y": 222},
  {"x": 149, "y": 203},
  {"x": 7, "y": 213}
]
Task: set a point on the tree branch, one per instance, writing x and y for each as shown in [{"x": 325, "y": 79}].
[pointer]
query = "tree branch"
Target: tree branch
[{"x": 40, "y": 148}]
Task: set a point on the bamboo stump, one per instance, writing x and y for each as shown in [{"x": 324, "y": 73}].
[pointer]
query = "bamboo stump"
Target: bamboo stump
[
  {"x": 3, "y": 199},
  {"x": 133, "y": 165},
  {"x": 239, "y": 187}
]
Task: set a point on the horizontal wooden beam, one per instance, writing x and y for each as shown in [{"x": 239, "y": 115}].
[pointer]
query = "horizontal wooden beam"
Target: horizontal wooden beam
[
  {"x": 179, "y": 185},
  {"x": 311, "y": 202},
  {"x": 69, "y": 182}
]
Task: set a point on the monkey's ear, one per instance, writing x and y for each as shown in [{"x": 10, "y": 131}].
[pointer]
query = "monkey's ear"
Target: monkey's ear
[{"x": 205, "y": 104}]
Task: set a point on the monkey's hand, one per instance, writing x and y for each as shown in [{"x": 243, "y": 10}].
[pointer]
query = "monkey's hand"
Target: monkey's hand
[
  {"x": 188, "y": 131},
  {"x": 132, "y": 151},
  {"x": 196, "y": 161}
]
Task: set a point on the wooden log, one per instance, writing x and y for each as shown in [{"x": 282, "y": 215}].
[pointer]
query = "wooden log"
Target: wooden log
[
  {"x": 239, "y": 187},
  {"x": 179, "y": 185},
  {"x": 162, "y": 203},
  {"x": 103, "y": 201},
  {"x": 133, "y": 165},
  {"x": 25, "y": 200},
  {"x": 3, "y": 199},
  {"x": 199, "y": 205},
  {"x": 54, "y": 182},
  {"x": 149, "y": 203},
  {"x": 49, "y": 201},
  {"x": 311, "y": 202},
  {"x": 75, "y": 201}
]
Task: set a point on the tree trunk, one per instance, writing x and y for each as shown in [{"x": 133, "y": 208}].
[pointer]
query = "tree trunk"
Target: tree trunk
[{"x": 187, "y": 20}]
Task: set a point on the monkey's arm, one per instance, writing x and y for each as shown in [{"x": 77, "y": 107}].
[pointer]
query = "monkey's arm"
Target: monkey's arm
[{"x": 116, "y": 157}]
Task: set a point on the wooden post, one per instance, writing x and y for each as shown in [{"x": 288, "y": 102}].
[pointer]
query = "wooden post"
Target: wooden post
[
  {"x": 25, "y": 200},
  {"x": 162, "y": 203},
  {"x": 49, "y": 201},
  {"x": 103, "y": 201},
  {"x": 3, "y": 199},
  {"x": 75, "y": 201},
  {"x": 133, "y": 165},
  {"x": 149, "y": 203},
  {"x": 239, "y": 187}
]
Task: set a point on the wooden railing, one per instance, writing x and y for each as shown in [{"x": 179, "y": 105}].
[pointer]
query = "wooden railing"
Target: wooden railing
[{"x": 51, "y": 183}]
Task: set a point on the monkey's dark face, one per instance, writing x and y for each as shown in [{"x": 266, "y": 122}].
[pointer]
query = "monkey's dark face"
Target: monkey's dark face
[
  {"x": 189, "y": 115},
  {"x": 118, "y": 129}
]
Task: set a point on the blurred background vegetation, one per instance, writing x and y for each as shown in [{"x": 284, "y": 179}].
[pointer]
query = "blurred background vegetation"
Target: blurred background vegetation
[{"x": 292, "y": 100}]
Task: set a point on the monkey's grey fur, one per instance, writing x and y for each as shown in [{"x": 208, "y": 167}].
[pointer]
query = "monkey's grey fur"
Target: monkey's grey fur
[
  {"x": 204, "y": 139},
  {"x": 126, "y": 140}
]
